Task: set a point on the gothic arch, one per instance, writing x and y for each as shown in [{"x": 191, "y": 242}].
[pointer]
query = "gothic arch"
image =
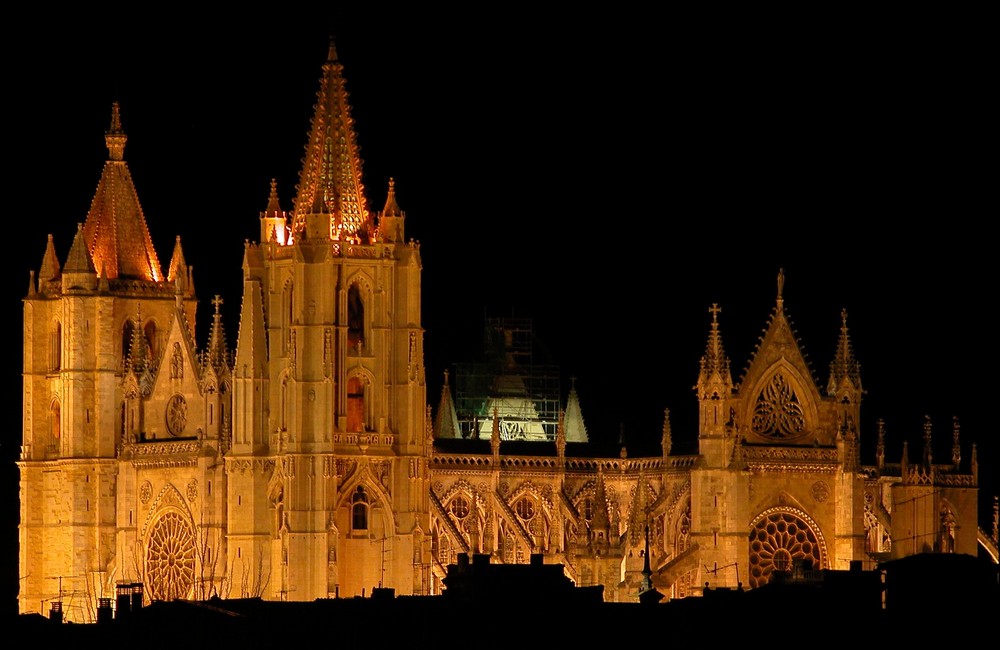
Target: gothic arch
[
  {"x": 366, "y": 479},
  {"x": 360, "y": 297},
  {"x": 534, "y": 512},
  {"x": 360, "y": 415},
  {"x": 151, "y": 332},
  {"x": 781, "y": 406},
  {"x": 169, "y": 537},
  {"x": 779, "y": 538},
  {"x": 54, "y": 433},
  {"x": 55, "y": 347}
]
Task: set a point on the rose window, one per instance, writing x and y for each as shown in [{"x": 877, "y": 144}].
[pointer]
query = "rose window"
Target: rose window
[
  {"x": 170, "y": 558},
  {"x": 776, "y": 542}
]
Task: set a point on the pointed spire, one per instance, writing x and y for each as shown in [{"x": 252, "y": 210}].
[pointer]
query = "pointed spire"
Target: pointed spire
[
  {"x": 139, "y": 360},
  {"x": 647, "y": 593},
  {"x": 177, "y": 272},
  {"x": 781, "y": 289},
  {"x": 880, "y": 445},
  {"x": 575, "y": 428},
  {"x": 50, "y": 262},
  {"x": 115, "y": 230},
  {"x": 845, "y": 371},
  {"x": 621, "y": 440},
  {"x": 666, "y": 440},
  {"x": 114, "y": 137},
  {"x": 996, "y": 519},
  {"x": 956, "y": 448},
  {"x": 928, "y": 455},
  {"x": 561, "y": 435},
  {"x": 391, "y": 208},
  {"x": 447, "y": 425},
  {"x": 251, "y": 340},
  {"x": 390, "y": 224},
  {"x": 78, "y": 261},
  {"x": 714, "y": 378},
  {"x": 217, "y": 354},
  {"x": 495, "y": 435},
  {"x": 330, "y": 181},
  {"x": 274, "y": 220}
]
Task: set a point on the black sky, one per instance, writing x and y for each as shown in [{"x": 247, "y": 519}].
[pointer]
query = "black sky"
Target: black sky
[{"x": 610, "y": 176}]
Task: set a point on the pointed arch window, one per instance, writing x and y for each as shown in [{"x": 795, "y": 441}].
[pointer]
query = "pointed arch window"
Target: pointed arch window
[
  {"x": 55, "y": 427},
  {"x": 152, "y": 340},
  {"x": 356, "y": 413},
  {"x": 355, "y": 318},
  {"x": 359, "y": 509},
  {"x": 55, "y": 348}
]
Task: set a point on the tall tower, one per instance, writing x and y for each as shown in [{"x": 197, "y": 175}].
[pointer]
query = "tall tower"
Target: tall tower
[
  {"x": 328, "y": 473},
  {"x": 82, "y": 321}
]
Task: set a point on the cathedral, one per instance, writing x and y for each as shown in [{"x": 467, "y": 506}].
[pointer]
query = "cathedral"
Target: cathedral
[{"x": 308, "y": 461}]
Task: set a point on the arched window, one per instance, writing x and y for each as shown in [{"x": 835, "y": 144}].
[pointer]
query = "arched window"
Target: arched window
[
  {"x": 359, "y": 509},
  {"x": 355, "y": 404},
  {"x": 355, "y": 318},
  {"x": 55, "y": 426},
  {"x": 55, "y": 348},
  {"x": 152, "y": 341}
]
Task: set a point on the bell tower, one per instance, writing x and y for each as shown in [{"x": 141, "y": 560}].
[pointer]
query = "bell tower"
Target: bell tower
[
  {"x": 81, "y": 319},
  {"x": 330, "y": 388}
]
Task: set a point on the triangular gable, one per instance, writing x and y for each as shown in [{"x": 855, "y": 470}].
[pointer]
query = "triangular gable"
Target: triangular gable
[{"x": 174, "y": 408}]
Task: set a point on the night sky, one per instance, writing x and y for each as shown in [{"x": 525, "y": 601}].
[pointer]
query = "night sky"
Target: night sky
[{"x": 608, "y": 176}]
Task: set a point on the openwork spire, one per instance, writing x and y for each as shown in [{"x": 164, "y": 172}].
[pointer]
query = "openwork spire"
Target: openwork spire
[
  {"x": 330, "y": 181},
  {"x": 714, "y": 377},
  {"x": 845, "y": 371},
  {"x": 217, "y": 354}
]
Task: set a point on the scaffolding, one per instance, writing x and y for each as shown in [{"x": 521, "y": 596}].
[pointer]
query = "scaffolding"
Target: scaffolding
[{"x": 525, "y": 396}]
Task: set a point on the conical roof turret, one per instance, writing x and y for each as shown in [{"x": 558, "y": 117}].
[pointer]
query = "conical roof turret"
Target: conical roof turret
[
  {"x": 78, "y": 261},
  {"x": 446, "y": 424},
  {"x": 274, "y": 220},
  {"x": 177, "y": 273},
  {"x": 50, "y": 268},
  {"x": 330, "y": 182},
  {"x": 115, "y": 232},
  {"x": 575, "y": 428}
]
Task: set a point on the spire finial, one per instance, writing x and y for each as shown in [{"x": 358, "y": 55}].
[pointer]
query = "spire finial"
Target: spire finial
[
  {"x": 781, "y": 286},
  {"x": 115, "y": 137}
]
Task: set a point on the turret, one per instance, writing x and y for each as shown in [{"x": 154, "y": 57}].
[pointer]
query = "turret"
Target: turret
[{"x": 716, "y": 430}]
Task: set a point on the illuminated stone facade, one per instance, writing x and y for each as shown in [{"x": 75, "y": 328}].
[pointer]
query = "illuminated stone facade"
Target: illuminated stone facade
[{"x": 307, "y": 462}]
